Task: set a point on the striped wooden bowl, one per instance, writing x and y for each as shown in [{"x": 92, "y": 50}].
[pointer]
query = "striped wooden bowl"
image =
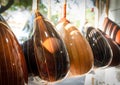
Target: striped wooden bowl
[
  {"x": 50, "y": 52},
  {"x": 13, "y": 69},
  {"x": 100, "y": 47},
  {"x": 115, "y": 50},
  {"x": 80, "y": 53}
]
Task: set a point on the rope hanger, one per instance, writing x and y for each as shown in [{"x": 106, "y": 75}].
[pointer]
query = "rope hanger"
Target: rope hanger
[
  {"x": 64, "y": 10},
  {"x": 35, "y": 5}
]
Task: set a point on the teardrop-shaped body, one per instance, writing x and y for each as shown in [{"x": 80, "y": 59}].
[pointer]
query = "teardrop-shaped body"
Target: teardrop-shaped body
[
  {"x": 26, "y": 41},
  {"x": 80, "y": 53},
  {"x": 115, "y": 50},
  {"x": 50, "y": 52},
  {"x": 100, "y": 47},
  {"x": 13, "y": 69}
]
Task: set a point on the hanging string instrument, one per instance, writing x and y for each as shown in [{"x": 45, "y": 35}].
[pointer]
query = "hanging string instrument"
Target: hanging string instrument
[
  {"x": 115, "y": 50},
  {"x": 50, "y": 52},
  {"x": 106, "y": 52},
  {"x": 13, "y": 70},
  {"x": 80, "y": 53},
  {"x": 100, "y": 47},
  {"x": 45, "y": 51}
]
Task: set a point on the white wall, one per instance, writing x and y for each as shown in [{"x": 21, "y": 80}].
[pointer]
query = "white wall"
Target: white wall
[{"x": 114, "y": 11}]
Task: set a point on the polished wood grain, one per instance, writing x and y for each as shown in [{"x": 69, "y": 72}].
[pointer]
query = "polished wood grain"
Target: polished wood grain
[
  {"x": 115, "y": 50},
  {"x": 106, "y": 51},
  {"x": 100, "y": 47},
  {"x": 26, "y": 42},
  {"x": 80, "y": 53},
  {"x": 13, "y": 69},
  {"x": 50, "y": 52},
  {"x": 112, "y": 29},
  {"x": 28, "y": 50},
  {"x": 117, "y": 37},
  {"x": 115, "y": 34}
]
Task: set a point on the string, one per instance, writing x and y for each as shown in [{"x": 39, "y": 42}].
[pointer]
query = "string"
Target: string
[
  {"x": 107, "y": 7},
  {"x": 64, "y": 9},
  {"x": 49, "y": 10},
  {"x": 35, "y": 5}
]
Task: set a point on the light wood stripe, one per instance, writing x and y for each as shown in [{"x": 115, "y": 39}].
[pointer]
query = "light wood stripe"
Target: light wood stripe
[{"x": 11, "y": 74}]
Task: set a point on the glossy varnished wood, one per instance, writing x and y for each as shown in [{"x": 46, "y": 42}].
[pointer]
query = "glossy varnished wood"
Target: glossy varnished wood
[
  {"x": 80, "y": 53},
  {"x": 106, "y": 51},
  {"x": 26, "y": 42},
  {"x": 115, "y": 50},
  {"x": 100, "y": 47},
  {"x": 112, "y": 29},
  {"x": 13, "y": 69},
  {"x": 50, "y": 52}
]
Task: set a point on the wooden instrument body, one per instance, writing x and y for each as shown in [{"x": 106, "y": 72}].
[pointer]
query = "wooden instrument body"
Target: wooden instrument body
[
  {"x": 106, "y": 52},
  {"x": 100, "y": 47},
  {"x": 13, "y": 70},
  {"x": 115, "y": 50},
  {"x": 112, "y": 29},
  {"x": 80, "y": 53},
  {"x": 50, "y": 52}
]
